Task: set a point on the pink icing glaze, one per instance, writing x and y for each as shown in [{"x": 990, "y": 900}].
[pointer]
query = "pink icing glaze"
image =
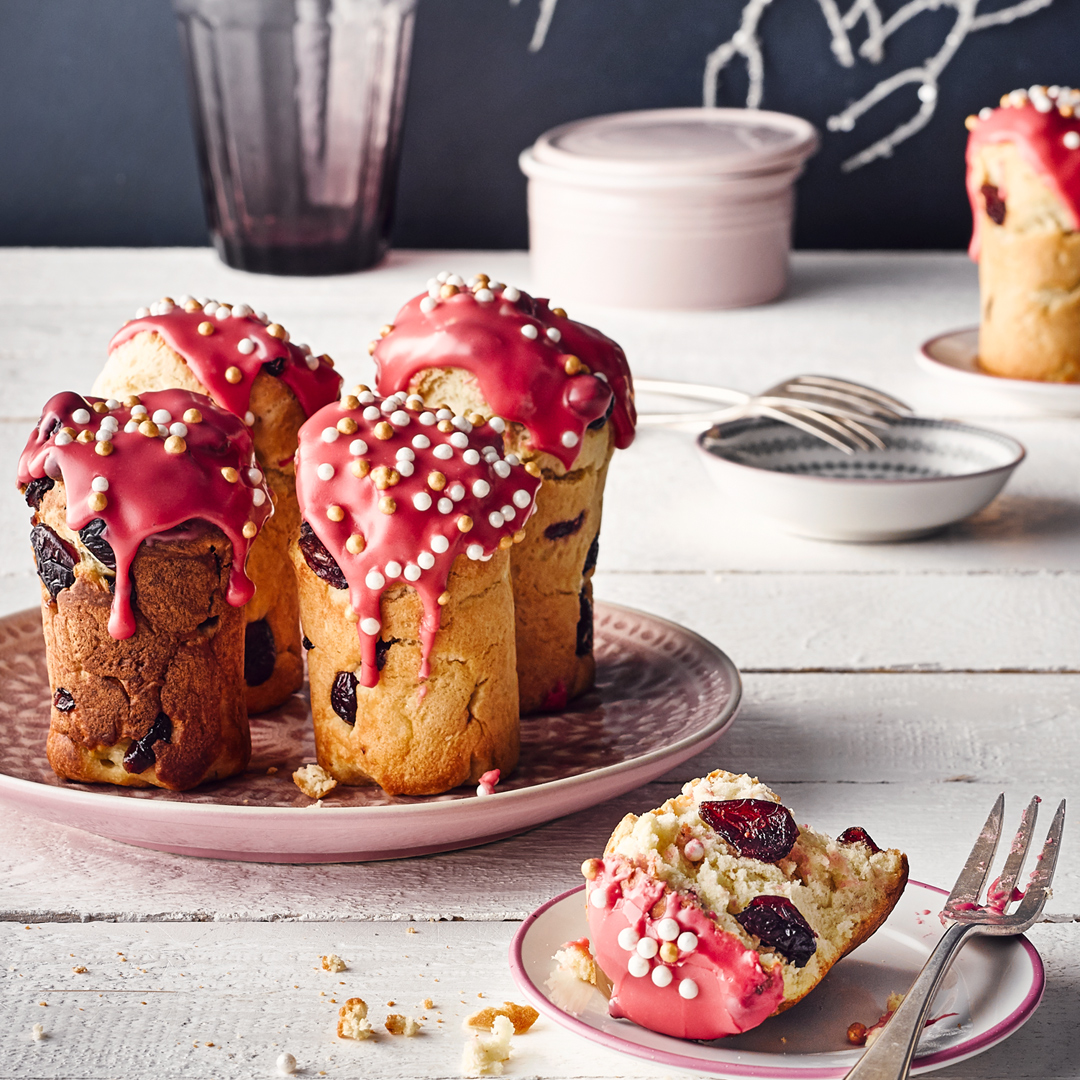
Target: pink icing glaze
[
  {"x": 397, "y": 544},
  {"x": 734, "y": 993},
  {"x": 1039, "y": 136},
  {"x": 523, "y": 379},
  {"x": 151, "y": 491},
  {"x": 312, "y": 379}
]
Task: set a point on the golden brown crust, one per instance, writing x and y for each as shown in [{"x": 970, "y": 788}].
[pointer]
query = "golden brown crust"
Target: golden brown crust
[{"x": 412, "y": 737}]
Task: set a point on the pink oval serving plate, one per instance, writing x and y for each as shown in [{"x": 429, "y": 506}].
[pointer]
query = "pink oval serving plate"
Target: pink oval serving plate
[
  {"x": 663, "y": 693},
  {"x": 993, "y": 987}
]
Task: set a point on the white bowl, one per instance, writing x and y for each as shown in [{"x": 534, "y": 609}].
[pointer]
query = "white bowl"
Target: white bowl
[{"x": 932, "y": 474}]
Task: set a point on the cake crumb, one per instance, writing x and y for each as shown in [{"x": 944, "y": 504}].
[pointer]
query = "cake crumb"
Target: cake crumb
[
  {"x": 397, "y": 1024},
  {"x": 78, "y": 969},
  {"x": 571, "y": 983},
  {"x": 411, "y": 930},
  {"x": 286, "y": 1064},
  {"x": 271, "y": 770},
  {"x": 314, "y": 781},
  {"x": 484, "y": 1054},
  {"x": 521, "y": 1016},
  {"x": 428, "y": 1003},
  {"x": 333, "y": 962},
  {"x": 352, "y": 1020},
  {"x": 37, "y": 1033}
]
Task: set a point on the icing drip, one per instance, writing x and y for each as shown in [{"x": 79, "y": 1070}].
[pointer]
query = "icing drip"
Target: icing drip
[
  {"x": 396, "y": 493},
  {"x": 148, "y": 484},
  {"x": 527, "y": 360},
  {"x": 678, "y": 974},
  {"x": 1042, "y": 125},
  {"x": 236, "y": 348}
]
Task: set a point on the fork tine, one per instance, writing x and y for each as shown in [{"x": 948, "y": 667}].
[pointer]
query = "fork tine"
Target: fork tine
[
  {"x": 847, "y": 400},
  {"x": 862, "y": 388},
  {"x": 1038, "y": 890},
  {"x": 803, "y": 423},
  {"x": 843, "y": 428},
  {"x": 1018, "y": 850},
  {"x": 973, "y": 877}
]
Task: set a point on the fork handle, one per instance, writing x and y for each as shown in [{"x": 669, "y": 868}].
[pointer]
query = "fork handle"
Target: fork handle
[{"x": 890, "y": 1056}]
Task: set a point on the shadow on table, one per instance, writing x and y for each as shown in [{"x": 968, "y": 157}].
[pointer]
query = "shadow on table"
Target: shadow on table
[{"x": 1014, "y": 517}]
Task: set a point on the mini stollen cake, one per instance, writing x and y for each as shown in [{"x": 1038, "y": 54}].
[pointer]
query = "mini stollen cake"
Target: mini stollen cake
[
  {"x": 1023, "y": 180},
  {"x": 716, "y": 910},
  {"x": 248, "y": 366},
  {"x": 143, "y": 517},
  {"x": 405, "y": 597},
  {"x": 560, "y": 393}
]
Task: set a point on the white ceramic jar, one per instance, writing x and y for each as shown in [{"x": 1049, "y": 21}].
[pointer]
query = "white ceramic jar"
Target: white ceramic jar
[{"x": 666, "y": 208}]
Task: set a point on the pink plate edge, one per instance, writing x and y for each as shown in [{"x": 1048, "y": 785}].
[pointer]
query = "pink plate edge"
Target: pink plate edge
[{"x": 950, "y": 1055}]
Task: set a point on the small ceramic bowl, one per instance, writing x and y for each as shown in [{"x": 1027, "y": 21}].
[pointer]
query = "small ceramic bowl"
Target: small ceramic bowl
[{"x": 932, "y": 474}]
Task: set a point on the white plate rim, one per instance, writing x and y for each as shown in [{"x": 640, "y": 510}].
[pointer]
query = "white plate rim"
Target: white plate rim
[{"x": 950, "y": 1055}]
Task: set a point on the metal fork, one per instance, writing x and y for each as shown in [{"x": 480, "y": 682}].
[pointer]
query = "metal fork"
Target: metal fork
[
  {"x": 840, "y": 412},
  {"x": 889, "y": 1058}
]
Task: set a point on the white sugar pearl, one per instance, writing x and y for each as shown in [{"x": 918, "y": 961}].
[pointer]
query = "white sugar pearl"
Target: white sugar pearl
[
  {"x": 109, "y": 423},
  {"x": 484, "y": 295},
  {"x": 985, "y": 113},
  {"x": 601, "y": 376},
  {"x": 112, "y": 403},
  {"x": 427, "y": 305},
  {"x": 64, "y": 438},
  {"x": 495, "y": 519},
  {"x": 325, "y": 471},
  {"x": 406, "y": 468},
  {"x": 1071, "y": 139},
  {"x": 357, "y": 447},
  {"x": 389, "y": 405},
  {"x": 405, "y": 454},
  {"x": 81, "y": 416},
  {"x": 254, "y": 476},
  {"x": 104, "y": 434},
  {"x": 374, "y": 580},
  {"x": 445, "y": 506},
  {"x": 162, "y": 430},
  {"x": 129, "y": 427},
  {"x": 638, "y": 967},
  {"x": 426, "y": 560},
  {"x": 245, "y": 346},
  {"x": 414, "y": 401},
  {"x": 628, "y": 938},
  {"x": 454, "y": 279},
  {"x": 522, "y": 498},
  {"x": 365, "y": 397},
  {"x": 481, "y": 488},
  {"x": 421, "y": 442},
  {"x": 687, "y": 941},
  {"x": 426, "y": 418},
  {"x": 490, "y": 454},
  {"x": 444, "y": 451},
  {"x": 462, "y": 424},
  {"x": 474, "y": 551},
  {"x": 688, "y": 989},
  {"x": 647, "y": 947},
  {"x": 508, "y": 513},
  {"x": 439, "y": 544},
  {"x": 502, "y": 470},
  {"x": 210, "y": 307},
  {"x": 311, "y": 361},
  {"x": 242, "y": 311},
  {"x": 668, "y": 929},
  {"x": 138, "y": 412},
  {"x": 330, "y": 434},
  {"x": 179, "y": 429},
  {"x": 444, "y": 414},
  {"x": 569, "y": 438},
  {"x": 258, "y": 497},
  {"x": 99, "y": 483},
  {"x": 511, "y": 294},
  {"x": 661, "y": 976},
  {"x": 456, "y": 492},
  {"x": 370, "y": 626},
  {"x": 372, "y": 413},
  {"x": 422, "y": 500},
  {"x": 286, "y": 1064},
  {"x": 162, "y": 416},
  {"x": 553, "y": 334},
  {"x": 412, "y": 572},
  {"x": 223, "y": 312},
  {"x": 694, "y": 850},
  {"x": 471, "y": 457},
  {"x": 142, "y": 313},
  {"x": 442, "y": 276},
  {"x": 513, "y": 459},
  {"x": 393, "y": 569},
  {"x": 529, "y": 331},
  {"x": 459, "y": 439},
  {"x": 497, "y": 424}
]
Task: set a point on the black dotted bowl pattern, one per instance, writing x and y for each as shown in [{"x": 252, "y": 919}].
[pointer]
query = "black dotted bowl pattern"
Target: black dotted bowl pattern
[{"x": 657, "y": 684}]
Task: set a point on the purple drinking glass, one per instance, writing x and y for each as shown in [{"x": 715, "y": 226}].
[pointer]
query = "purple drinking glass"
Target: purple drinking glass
[{"x": 297, "y": 107}]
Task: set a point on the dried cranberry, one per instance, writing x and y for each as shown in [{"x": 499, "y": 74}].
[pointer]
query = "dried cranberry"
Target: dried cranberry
[
  {"x": 260, "y": 652},
  {"x": 35, "y": 490},
  {"x": 307, "y": 643},
  {"x": 320, "y": 560},
  {"x": 858, "y": 835},
  {"x": 775, "y": 921},
  {"x": 600, "y": 421},
  {"x": 96, "y": 544},
  {"x": 140, "y": 755},
  {"x": 343, "y": 696},
  {"x": 585, "y": 625},
  {"x": 56, "y": 559},
  {"x": 381, "y": 650},
  {"x": 274, "y": 367},
  {"x": 63, "y": 701},
  {"x": 592, "y": 555},
  {"x": 995, "y": 205},
  {"x": 756, "y": 828},
  {"x": 560, "y": 529}
]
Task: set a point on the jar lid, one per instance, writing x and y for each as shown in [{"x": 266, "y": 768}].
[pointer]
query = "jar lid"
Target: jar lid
[{"x": 675, "y": 143}]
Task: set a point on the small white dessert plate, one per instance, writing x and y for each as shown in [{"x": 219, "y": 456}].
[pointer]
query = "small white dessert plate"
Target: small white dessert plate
[
  {"x": 931, "y": 474},
  {"x": 994, "y": 986},
  {"x": 954, "y": 357}
]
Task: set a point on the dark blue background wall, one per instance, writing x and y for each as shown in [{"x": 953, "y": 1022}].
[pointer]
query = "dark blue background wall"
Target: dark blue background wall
[{"x": 95, "y": 146}]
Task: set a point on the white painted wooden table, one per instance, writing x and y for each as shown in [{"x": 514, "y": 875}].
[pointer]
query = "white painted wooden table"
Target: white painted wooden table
[{"x": 899, "y": 686}]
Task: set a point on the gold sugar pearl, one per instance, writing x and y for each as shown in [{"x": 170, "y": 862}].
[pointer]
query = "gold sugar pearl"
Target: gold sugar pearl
[
  {"x": 384, "y": 477},
  {"x": 250, "y": 529},
  {"x": 355, "y": 544},
  {"x": 192, "y": 306},
  {"x": 326, "y": 360},
  {"x": 1006, "y": 101},
  {"x": 590, "y": 869},
  {"x": 206, "y": 328},
  {"x": 149, "y": 429},
  {"x": 464, "y": 523},
  {"x": 519, "y": 536},
  {"x": 387, "y": 505},
  {"x": 100, "y": 407},
  {"x": 1065, "y": 110},
  {"x": 572, "y": 365},
  {"x": 445, "y": 427},
  {"x": 970, "y": 122},
  {"x": 351, "y": 614},
  {"x": 233, "y": 374},
  {"x": 481, "y": 278},
  {"x": 384, "y": 430},
  {"x": 447, "y": 291},
  {"x": 335, "y": 513},
  {"x": 387, "y": 329},
  {"x": 192, "y": 416},
  {"x": 174, "y": 444},
  {"x": 278, "y": 331},
  {"x": 359, "y": 467},
  {"x": 435, "y": 480},
  {"x": 85, "y": 436},
  {"x": 444, "y": 598},
  {"x": 166, "y": 300},
  {"x": 97, "y": 501},
  {"x": 506, "y": 542},
  {"x": 350, "y": 401},
  {"x": 532, "y": 469},
  {"x": 132, "y": 400},
  {"x": 371, "y": 347},
  {"x": 104, "y": 448},
  {"x": 476, "y": 419},
  {"x": 230, "y": 474},
  {"x": 559, "y": 311},
  {"x": 347, "y": 425},
  {"x": 360, "y": 388},
  {"x": 669, "y": 952},
  {"x": 68, "y": 431}
]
